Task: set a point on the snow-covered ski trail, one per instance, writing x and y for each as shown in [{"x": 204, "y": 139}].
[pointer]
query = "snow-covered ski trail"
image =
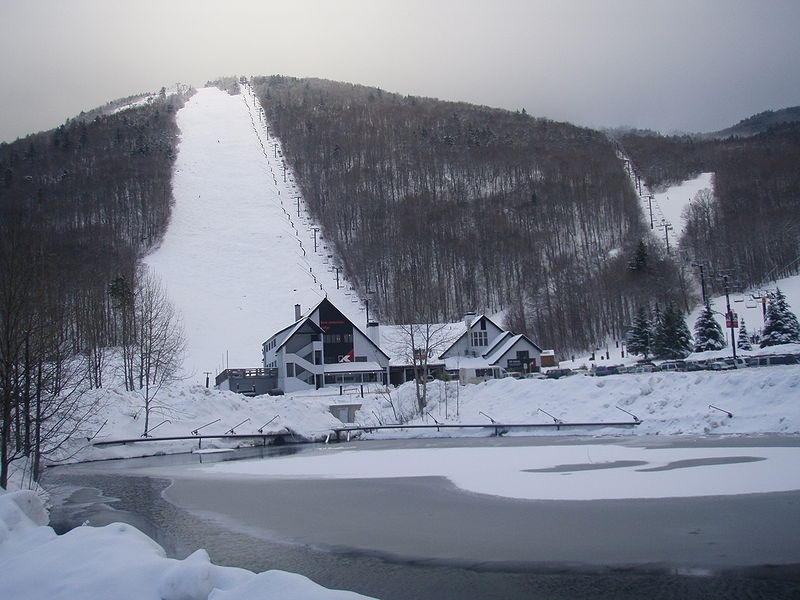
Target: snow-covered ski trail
[{"x": 239, "y": 250}]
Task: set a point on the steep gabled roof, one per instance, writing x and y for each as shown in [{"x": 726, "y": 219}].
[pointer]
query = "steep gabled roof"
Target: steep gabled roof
[
  {"x": 474, "y": 322},
  {"x": 293, "y": 329},
  {"x": 501, "y": 340},
  {"x": 507, "y": 343}
]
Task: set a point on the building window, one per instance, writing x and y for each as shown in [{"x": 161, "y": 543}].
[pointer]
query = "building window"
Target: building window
[{"x": 480, "y": 338}]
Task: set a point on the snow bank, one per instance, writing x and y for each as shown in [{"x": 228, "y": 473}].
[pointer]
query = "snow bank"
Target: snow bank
[
  {"x": 121, "y": 561},
  {"x": 762, "y": 400}
]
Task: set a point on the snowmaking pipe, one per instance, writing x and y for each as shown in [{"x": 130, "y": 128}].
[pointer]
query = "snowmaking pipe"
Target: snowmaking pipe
[
  {"x": 635, "y": 418},
  {"x": 194, "y": 431},
  {"x": 730, "y": 414},
  {"x": 487, "y": 416},
  {"x": 555, "y": 420},
  {"x": 233, "y": 429},
  {"x": 261, "y": 429}
]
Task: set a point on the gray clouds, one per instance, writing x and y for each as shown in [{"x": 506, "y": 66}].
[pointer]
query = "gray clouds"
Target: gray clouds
[{"x": 669, "y": 65}]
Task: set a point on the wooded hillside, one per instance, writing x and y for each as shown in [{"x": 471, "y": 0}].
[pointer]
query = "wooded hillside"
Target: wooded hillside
[
  {"x": 439, "y": 208},
  {"x": 79, "y": 206},
  {"x": 750, "y": 227}
]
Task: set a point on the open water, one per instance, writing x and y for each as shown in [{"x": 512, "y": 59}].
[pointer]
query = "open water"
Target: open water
[{"x": 111, "y": 491}]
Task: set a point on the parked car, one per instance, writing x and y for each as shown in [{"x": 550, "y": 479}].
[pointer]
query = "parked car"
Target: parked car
[
  {"x": 736, "y": 363},
  {"x": 606, "y": 370},
  {"x": 535, "y": 376},
  {"x": 558, "y": 373},
  {"x": 719, "y": 365},
  {"x": 695, "y": 365},
  {"x": 772, "y": 359},
  {"x": 672, "y": 365},
  {"x": 641, "y": 369}
]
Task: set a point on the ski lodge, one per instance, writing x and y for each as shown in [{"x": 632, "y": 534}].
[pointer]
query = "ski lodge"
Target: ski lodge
[{"x": 325, "y": 348}]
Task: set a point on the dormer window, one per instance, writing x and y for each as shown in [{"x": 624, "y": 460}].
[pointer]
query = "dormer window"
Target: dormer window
[{"x": 480, "y": 338}]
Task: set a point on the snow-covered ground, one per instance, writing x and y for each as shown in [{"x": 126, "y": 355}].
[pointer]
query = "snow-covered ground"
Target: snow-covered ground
[
  {"x": 118, "y": 561},
  {"x": 235, "y": 260}
]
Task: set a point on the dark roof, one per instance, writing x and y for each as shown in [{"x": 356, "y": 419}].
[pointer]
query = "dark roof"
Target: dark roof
[{"x": 292, "y": 329}]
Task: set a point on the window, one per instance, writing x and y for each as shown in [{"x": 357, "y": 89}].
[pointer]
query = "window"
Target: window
[{"x": 480, "y": 338}]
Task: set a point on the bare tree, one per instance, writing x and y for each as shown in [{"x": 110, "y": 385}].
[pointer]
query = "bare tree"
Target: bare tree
[
  {"x": 160, "y": 342},
  {"x": 417, "y": 344}
]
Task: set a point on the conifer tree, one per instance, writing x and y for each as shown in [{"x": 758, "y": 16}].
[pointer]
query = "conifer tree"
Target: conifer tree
[
  {"x": 672, "y": 339},
  {"x": 641, "y": 335},
  {"x": 780, "y": 325},
  {"x": 708, "y": 334},
  {"x": 743, "y": 341}
]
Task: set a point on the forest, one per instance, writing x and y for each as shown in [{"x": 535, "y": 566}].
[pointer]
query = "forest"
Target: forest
[
  {"x": 440, "y": 208},
  {"x": 79, "y": 206}
]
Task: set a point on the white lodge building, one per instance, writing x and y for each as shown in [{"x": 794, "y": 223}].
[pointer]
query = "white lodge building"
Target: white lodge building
[
  {"x": 486, "y": 351},
  {"x": 324, "y": 348}
]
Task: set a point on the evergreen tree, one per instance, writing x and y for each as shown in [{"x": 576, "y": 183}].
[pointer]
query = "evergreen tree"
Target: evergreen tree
[
  {"x": 780, "y": 325},
  {"x": 639, "y": 262},
  {"x": 743, "y": 341},
  {"x": 708, "y": 334},
  {"x": 640, "y": 340},
  {"x": 672, "y": 339}
]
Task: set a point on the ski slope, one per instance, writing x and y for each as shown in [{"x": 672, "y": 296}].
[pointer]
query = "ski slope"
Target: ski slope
[{"x": 238, "y": 253}]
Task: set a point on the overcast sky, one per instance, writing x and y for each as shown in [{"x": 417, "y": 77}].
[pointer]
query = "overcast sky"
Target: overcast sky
[{"x": 689, "y": 65}]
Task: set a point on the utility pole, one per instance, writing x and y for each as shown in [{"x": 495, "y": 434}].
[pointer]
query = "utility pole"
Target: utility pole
[
  {"x": 667, "y": 226},
  {"x": 316, "y": 229},
  {"x": 730, "y": 322},
  {"x": 702, "y": 280}
]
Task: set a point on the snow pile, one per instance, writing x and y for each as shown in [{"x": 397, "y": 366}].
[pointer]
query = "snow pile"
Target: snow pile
[
  {"x": 762, "y": 401},
  {"x": 181, "y": 409},
  {"x": 90, "y": 562}
]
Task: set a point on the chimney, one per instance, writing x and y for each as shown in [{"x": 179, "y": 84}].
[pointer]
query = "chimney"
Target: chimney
[
  {"x": 297, "y": 313},
  {"x": 374, "y": 332},
  {"x": 469, "y": 318}
]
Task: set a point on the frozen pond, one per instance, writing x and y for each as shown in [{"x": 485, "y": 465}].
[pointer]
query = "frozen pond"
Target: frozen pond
[{"x": 389, "y": 535}]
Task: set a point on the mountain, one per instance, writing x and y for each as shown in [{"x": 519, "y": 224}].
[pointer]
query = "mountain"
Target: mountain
[
  {"x": 758, "y": 123},
  {"x": 428, "y": 208}
]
